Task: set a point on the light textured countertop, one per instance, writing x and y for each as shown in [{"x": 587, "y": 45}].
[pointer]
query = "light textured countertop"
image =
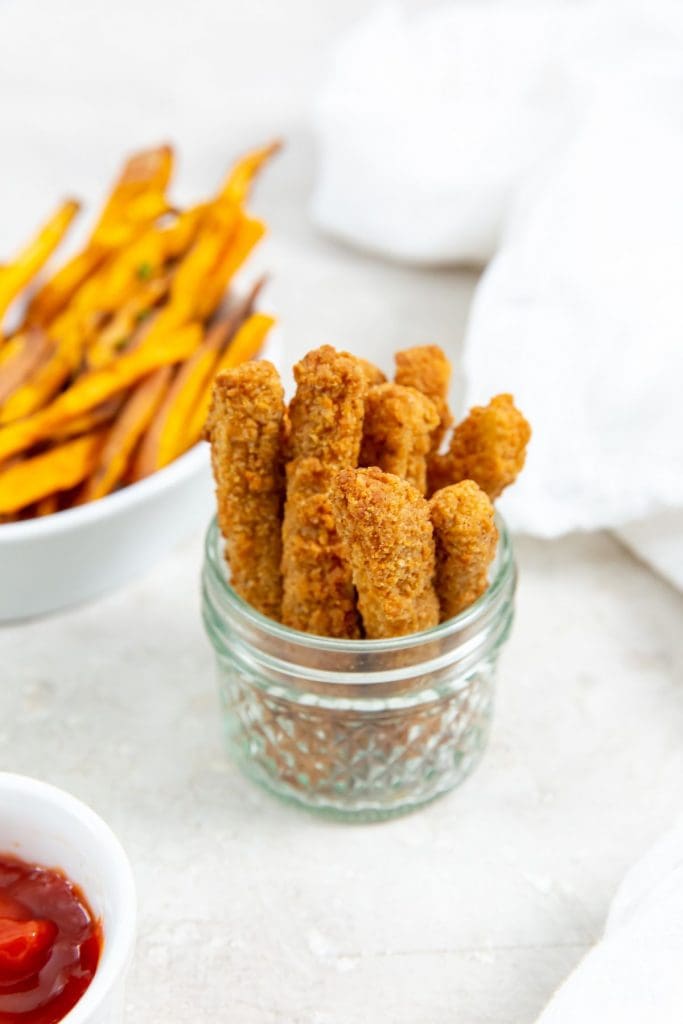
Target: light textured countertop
[
  {"x": 472, "y": 909},
  {"x": 252, "y": 912}
]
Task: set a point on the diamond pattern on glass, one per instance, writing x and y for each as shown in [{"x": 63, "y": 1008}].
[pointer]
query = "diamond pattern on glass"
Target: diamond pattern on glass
[{"x": 353, "y": 759}]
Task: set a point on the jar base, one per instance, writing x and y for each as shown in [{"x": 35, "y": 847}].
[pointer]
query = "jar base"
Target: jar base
[{"x": 362, "y": 812}]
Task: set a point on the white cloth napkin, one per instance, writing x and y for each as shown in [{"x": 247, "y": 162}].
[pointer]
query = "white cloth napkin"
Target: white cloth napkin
[
  {"x": 635, "y": 974},
  {"x": 552, "y": 136}
]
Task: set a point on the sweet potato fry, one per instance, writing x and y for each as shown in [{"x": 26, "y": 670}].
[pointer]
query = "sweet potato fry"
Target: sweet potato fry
[
  {"x": 235, "y": 311},
  {"x": 127, "y": 272},
  {"x": 245, "y": 427},
  {"x": 119, "y": 333},
  {"x": 180, "y": 419},
  {"x": 124, "y": 435},
  {"x": 397, "y": 429},
  {"x": 466, "y": 536},
  {"x": 73, "y": 332},
  {"x": 218, "y": 229},
  {"x": 96, "y": 387},
  {"x": 32, "y": 479},
  {"x": 388, "y": 541},
  {"x": 137, "y": 200},
  {"x": 57, "y": 292},
  {"x": 427, "y": 369},
  {"x": 46, "y": 506},
  {"x": 62, "y": 361},
  {"x": 137, "y": 298},
  {"x": 16, "y": 275},
  {"x": 248, "y": 232},
  {"x": 489, "y": 447},
  {"x": 164, "y": 439},
  {"x": 247, "y": 342},
  {"x": 138, "y": 196},
  {"x": 241, "y": 176},
  {"x": 178, "y": 236},
  {"x": 89, "y": 421},
  {"x": 20, "y": 358},
  {"x": 144, "y": 260}
]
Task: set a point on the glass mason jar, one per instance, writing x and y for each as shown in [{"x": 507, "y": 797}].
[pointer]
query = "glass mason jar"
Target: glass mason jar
[{"x": 357, "y": 729}]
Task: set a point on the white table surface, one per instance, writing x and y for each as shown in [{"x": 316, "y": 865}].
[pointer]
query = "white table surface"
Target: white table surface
[{"x": 254, "y": 913}]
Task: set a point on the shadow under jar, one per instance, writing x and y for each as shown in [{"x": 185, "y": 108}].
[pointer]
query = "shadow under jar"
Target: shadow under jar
[{"x": 357, "y": 729}]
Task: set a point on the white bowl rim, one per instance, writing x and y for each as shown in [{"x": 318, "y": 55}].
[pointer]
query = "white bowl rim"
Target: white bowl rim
[
  {"x": 71, "y": 518},
  {"x": 114, "y": 962}
]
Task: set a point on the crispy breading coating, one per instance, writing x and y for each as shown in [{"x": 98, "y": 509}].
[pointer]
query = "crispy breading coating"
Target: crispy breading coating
[
  {"x": 319, "y": 592},
  {"x": 373, "y": 374},
  {"x": 397, "y": 431},
  {"x": 489, "y": 447},
  {"x": 427, "y": 369},
  {"x": 465, "y": 535},
  {"x": 326, "y": 413},
  {"x": 245, "y": 430},
  {"x": 325, "y": 426},
  {"x": 388, "y": 540}
]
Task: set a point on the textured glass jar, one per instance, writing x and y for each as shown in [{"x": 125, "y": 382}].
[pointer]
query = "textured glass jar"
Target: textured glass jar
[{"x": 358, "y": 729}]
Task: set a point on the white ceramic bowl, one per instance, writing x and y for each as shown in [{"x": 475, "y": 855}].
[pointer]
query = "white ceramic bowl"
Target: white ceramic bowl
[
  {"x": 75, "y": 555},
  {"x": 46, "y": 826}
]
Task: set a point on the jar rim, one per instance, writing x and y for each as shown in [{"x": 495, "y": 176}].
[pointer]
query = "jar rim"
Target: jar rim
[{"x": 503, "y": 566}]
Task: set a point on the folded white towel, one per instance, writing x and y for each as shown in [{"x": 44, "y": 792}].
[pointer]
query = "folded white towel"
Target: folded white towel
[
  {"x": 553, "y": 135},
  {"x": 581, "y": 316},
  {"x": 634, "y": 975}
]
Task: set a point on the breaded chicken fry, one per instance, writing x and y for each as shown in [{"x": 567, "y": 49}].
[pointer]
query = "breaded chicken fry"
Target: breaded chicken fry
[
  {"x": 488, "y": 447},
  {"x": 427, "y": 369},
  {"x": 388, "y": 540},
  {"x": 319, "y": 592},
  {"x": 324, "y": 435},
  {"x": 465, "y": 535},
  {"x": 397, "y": 432},
  {"x": 245, "y": 428},
  {"x": 326, "y": 413},
  {"x": 373, "y": 374}
]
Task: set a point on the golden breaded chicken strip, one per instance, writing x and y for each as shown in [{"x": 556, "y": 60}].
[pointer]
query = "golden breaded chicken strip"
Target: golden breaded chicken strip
[
  {"x": 326, "y": 413},
  {"x": 465, "y": 535},
  {"x": 397, "y": 432},
  {"x": 325, "y": 426},
  {"x": 319, "y": 593},
  {"x": 488, "y": 447},
  {"x": 427, "y": 369},
  {"x": 373, "y": 374},
  {"x": 388, "y": 540},
  {"x": 245, "y": 429}
]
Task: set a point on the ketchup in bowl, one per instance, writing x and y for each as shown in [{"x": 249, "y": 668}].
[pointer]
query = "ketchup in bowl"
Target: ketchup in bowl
[{"x": 49, "y": 943}]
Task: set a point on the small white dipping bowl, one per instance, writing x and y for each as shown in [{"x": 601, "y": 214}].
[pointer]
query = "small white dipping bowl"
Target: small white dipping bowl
[{"x": 43, "y": 825}]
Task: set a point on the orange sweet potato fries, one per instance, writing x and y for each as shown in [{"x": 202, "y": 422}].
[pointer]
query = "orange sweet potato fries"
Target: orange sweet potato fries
[{"x": 108, "y": 375}]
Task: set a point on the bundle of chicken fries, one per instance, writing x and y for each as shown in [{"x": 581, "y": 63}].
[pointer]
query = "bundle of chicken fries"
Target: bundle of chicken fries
[
  {"x": 108, "y": 375},
  {"x": 341, "y": 514}
]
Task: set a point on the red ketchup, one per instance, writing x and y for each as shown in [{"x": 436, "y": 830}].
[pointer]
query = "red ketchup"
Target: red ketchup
[{"x": 49, "y": 943}]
